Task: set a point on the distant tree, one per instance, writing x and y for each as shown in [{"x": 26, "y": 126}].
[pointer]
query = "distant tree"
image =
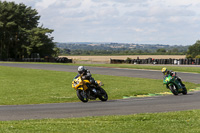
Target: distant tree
[
  {"x": 40, "y": 42},
  {"x": 175, "y": 50},
  {"x": 139, "y": 51},
  {"x": 161, "y": 50},
  {"x": 197, "y": 57},
  {"x": 66, "y": 51},
  {"x": 20, "y": 35},
  {"x": 194, "y": 49},
  {"x": 57, "y": 51},
  {"x": 188, "y": 56}
]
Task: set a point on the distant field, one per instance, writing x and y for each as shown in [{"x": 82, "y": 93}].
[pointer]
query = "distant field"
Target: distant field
[{"x": 106, "y": 59}]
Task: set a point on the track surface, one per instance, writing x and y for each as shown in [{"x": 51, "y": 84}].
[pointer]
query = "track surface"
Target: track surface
[
  {"x": 189, "y": 77},
  {"x": 97, "y": 108}
]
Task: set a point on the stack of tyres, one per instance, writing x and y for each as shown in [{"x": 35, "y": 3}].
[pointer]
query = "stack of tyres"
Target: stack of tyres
[{"x": 197, "y": 61}]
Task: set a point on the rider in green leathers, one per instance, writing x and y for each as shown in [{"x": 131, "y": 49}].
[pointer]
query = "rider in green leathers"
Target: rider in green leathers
[{"x": 167, "y": 72}]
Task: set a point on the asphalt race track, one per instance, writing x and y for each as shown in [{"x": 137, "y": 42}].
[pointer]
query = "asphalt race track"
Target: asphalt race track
[
  {"x": 98, "y": 108},
  {"x": 189, "y": 77}
]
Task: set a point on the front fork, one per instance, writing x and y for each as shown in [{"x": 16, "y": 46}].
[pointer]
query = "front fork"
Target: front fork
[{"x": 84, "y": 93}]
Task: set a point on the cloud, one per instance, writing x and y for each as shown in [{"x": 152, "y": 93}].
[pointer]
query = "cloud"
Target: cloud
[
  {"x": 27, "y": 2},
  {"x": 136, "y": 21},
  {"x": 44, "y": 3}
]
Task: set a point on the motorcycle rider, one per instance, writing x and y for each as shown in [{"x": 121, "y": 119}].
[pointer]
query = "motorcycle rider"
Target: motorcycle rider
[
  {"x": 167, "y": 72},
  {"x": 86, "y": 75}
]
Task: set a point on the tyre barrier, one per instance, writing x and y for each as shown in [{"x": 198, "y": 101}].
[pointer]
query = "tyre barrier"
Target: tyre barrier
[
  {"x": 58, "y": 60},
  {"x": 189, "y": 61},
  {"x": 63, "y": 60},
  {"x": 32, "y": 60},
  {"x": 117, "y": 61}
]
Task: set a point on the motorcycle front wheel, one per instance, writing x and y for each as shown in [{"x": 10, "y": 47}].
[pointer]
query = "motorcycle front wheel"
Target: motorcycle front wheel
[
  {"x": 173, "y": 89},
  {"x": 82, "y": 95},
  {"x": 103, "y": 95}
]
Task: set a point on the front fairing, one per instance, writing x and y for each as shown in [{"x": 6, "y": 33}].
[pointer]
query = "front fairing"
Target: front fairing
[
  {"x": 167, "y": 80},
  {"x": 171, "y": 80},
  {"x": 78, "y": 83}
]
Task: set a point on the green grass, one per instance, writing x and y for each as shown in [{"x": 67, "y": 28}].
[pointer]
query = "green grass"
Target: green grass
[
  {"x": 171, "y": 122},
  {"x": 33, "y": 86}
]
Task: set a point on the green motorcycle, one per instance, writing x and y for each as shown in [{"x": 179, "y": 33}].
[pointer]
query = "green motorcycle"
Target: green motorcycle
[{"x": 174, "y": 85}]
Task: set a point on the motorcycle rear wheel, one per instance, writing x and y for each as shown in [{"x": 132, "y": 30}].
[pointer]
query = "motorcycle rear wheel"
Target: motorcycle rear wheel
[
  {"x": 103, "y": 95},
  {"x": 173, "y": 89},
  {"x": 184, "y": 91},
  {"x": 82, "y": 95}
]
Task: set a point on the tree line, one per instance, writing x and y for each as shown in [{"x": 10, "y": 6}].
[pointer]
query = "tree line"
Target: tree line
[
  {"x": 194, "y": 50},
  {"x": 120, "y": 49},
  {"x": 119, "y": 52},
  {"x": 20, "y": 33}
]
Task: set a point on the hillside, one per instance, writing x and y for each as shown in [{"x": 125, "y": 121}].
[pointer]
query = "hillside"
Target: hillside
[{"x": 90, "y": 48}]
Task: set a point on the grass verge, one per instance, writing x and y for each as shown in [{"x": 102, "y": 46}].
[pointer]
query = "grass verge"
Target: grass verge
[
  {"x": 33, "y": 86},
  {"x": 171, "y": 122}
]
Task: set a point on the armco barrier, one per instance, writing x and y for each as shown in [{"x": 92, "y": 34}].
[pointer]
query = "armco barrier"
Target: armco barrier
[{"x": 189, "y": 61}]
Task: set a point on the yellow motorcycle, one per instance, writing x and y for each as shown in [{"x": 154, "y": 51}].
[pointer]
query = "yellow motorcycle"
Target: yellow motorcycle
[{"x": 85, "y": 90}]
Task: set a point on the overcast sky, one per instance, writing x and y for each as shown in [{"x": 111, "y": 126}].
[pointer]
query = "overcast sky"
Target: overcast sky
[{"x": 173, "y": 22}]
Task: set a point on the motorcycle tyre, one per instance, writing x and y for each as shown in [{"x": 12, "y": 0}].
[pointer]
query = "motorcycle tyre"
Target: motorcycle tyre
[
  {"x": 184, "y": 91},
  {"x": 171, "y": 87},
  {"x": 103, "y": 97},
  {"x": 81, "y": 97}
]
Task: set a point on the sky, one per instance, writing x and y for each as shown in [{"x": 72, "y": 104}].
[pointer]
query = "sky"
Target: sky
[{"x": 172, "y": 22}]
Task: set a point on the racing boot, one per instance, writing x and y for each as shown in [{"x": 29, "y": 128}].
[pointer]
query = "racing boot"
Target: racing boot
[
  {"x": 183, "y": 85},
  {"x": 96, "y": 84}
]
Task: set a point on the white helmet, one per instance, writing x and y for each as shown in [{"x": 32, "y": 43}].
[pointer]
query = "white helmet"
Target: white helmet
[{"x": 81, "y": 69}]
